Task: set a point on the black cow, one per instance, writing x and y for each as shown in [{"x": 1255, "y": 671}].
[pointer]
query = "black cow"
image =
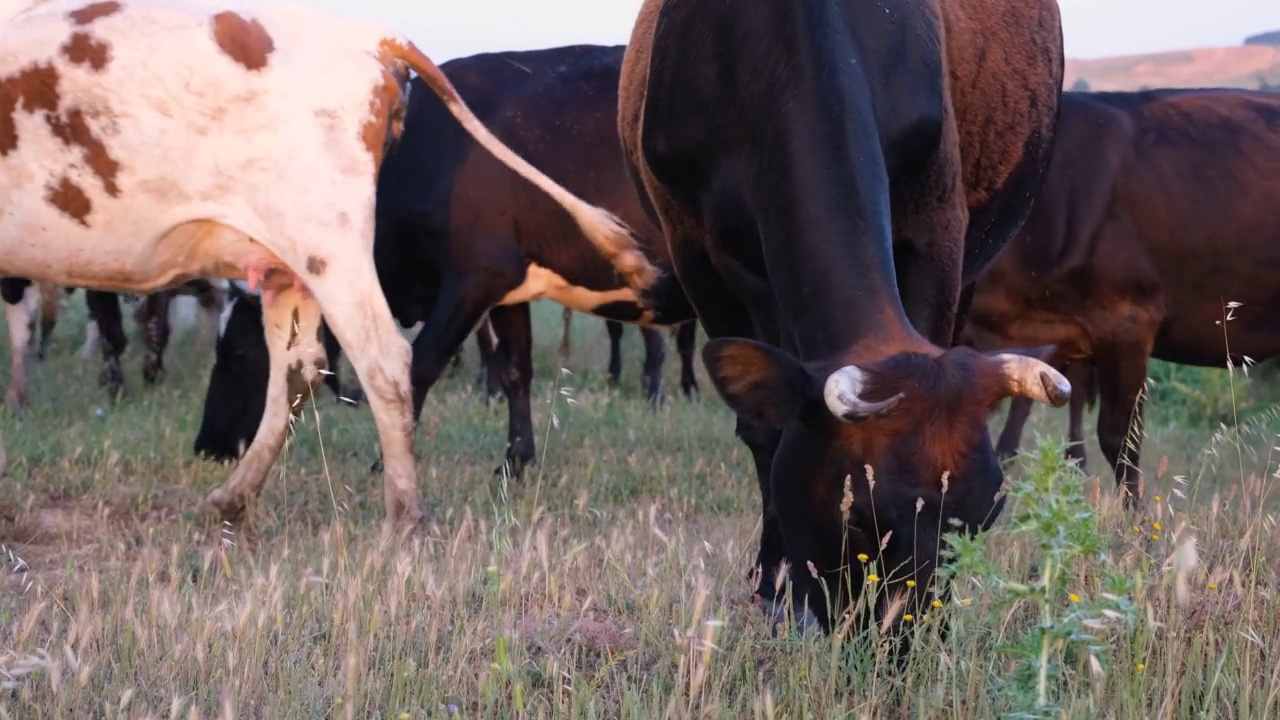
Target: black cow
[
  {"x": 828, "y": 180},
  {"x": 460, "y": 235},
  {"x": 1158, "y": 211}
]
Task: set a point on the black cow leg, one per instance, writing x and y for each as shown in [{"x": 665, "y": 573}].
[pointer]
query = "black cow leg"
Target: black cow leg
[
  {"x": 655, "y": 354},
  {"x": 48, "y": 318},
  {"x": 513, "y": 359},
  {"x": 614, "y": 328},
  {"x": 1122, "y": 373},
  {"x": 488, "y": 375},
  {"x": 353, "y": 395},
  {"x": 686, "y": 344},
  {"x": 767, "y": 574},
  {"x": 104, "y": 308},
  {"x": 154, "y": 317},
  {"x": 1011, "y": 436}
]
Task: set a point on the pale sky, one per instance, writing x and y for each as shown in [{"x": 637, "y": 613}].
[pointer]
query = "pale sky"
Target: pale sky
[{"x": 446, "y": 29}]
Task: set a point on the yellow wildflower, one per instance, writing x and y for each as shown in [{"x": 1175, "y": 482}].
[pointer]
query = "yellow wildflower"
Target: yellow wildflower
[
  {"x": 873, "y": 578},
  {"x": 1074, "y": 597}
]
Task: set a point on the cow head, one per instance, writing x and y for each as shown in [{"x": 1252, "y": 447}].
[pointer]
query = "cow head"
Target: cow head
[
  {"x": 236, "y": 397},
  {"x": 908, "y": 431}
]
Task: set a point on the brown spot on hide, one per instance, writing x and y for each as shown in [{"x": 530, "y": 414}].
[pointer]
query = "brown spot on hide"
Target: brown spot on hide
[
  {"x": 386, "y": 117},
  {"x": 72, "y": 129},
  {"x": 84, "y": 49},
  {"x": 70, "y": 199},
  {"x": 244, "y": 41},
  {"x": 89, "y": 13},
  {"x": 316, "y": 265},
  {"x": 32, "y": 88}
]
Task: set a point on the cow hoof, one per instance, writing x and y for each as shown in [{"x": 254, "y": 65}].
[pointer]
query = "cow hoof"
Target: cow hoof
[
  {"x": 690, "y": 389},
  {"x": 376, "y": 467},
  {"x": 112, "y": 378},
  {"x": 228, "y": 506},
  {"x": 152, "y": 373},
  {"x": 513, "y": 467}
]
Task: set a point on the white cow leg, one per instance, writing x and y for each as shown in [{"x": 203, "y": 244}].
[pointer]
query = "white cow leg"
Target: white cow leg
[
  {"x": 21, "y": 320},
  {"x": 291, "y": 323},
  {"x": 89, "y": 350},
  {"x": 379, "y": 354}
]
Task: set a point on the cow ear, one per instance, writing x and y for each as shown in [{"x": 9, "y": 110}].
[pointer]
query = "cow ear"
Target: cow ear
[{"x": 758, "y": 381}]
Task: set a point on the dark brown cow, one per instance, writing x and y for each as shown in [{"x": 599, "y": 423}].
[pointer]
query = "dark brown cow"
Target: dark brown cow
[
  {"x": 827, "y": 180},
  {"x": 1158, "y": 215}
]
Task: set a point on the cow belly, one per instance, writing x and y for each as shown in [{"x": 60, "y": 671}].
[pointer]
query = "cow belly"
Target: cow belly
[
  {"x": 116, "y": 170},
  {"x": 541, "y": 283},
  {"x": 133, "y": 260}
]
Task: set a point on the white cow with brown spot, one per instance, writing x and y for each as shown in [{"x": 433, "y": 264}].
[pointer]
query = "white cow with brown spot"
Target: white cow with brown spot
[{"x": 146, "y": 143}]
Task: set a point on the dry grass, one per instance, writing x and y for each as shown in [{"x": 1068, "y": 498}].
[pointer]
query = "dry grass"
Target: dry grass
[{"x": 610, "y": 584}]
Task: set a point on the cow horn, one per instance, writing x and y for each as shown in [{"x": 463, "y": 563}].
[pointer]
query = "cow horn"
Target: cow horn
[
  {"x": 843, "y": 394},
  {"x": 1031, "y": 378}
]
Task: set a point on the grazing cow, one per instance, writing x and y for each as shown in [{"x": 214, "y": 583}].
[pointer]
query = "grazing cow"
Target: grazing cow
[
  {"x": 1157, "y": 213},
  {"x": 140, "y": 148},
  {"x": 827, "y": 180},
  {"x": 459, "y": 235}
]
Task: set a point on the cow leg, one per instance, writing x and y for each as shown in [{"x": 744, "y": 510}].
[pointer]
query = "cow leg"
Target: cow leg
[
  {"x": 615, "y": 351},
  {"x": 453, "y": 318},
  {"x": 49, "y": 296},
  {"x": 291, "y": 326},
  {"x": 20, "y": 305},
  {"x": 1122, "y": 374},
  {"x": 104, "y": 308},
  {"x": 91, "y": 339},
  {"x": 1081, "y": 375},
  {"x": 763, "y": 441},
  {"x": 686, "y": 344},
  {"x": 332, "y": 379},
  {"x": 1011, "y": 436},
  {"x": 490, "y": 373},
  {"x": 153, "y": 315},
  {"x": 655, "y": 353},
  {"x": 380, "y": 357},
  {"x": 513, "y": 360},
  {"x": 566, "y": 316}
]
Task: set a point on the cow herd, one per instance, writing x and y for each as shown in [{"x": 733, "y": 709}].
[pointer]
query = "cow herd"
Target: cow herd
[{"x": 887, "y": 218}]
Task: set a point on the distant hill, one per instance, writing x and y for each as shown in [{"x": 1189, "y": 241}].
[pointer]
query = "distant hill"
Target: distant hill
[{"x": 1247, "y": 66}]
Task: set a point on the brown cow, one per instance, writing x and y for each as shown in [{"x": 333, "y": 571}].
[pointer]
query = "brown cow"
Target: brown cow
[{"x": 1156, "y": 218}]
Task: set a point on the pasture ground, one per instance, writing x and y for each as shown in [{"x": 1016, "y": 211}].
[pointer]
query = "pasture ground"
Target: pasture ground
[{"x": 611, "y": 582}]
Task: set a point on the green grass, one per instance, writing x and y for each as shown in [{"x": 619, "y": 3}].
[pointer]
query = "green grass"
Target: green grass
[{"x": 610, "y": 583}]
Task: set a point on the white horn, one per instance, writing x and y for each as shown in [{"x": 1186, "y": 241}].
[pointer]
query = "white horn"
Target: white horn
[
  {"x": 1030, "y": 378},
  {"x": 843, "y": 394}
]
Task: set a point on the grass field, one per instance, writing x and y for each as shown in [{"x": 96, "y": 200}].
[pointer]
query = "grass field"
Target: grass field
[{"x": 611, "y": 582}]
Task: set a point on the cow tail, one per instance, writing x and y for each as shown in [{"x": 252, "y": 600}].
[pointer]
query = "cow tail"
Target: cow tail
[{"x": 609, "y": 234}]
